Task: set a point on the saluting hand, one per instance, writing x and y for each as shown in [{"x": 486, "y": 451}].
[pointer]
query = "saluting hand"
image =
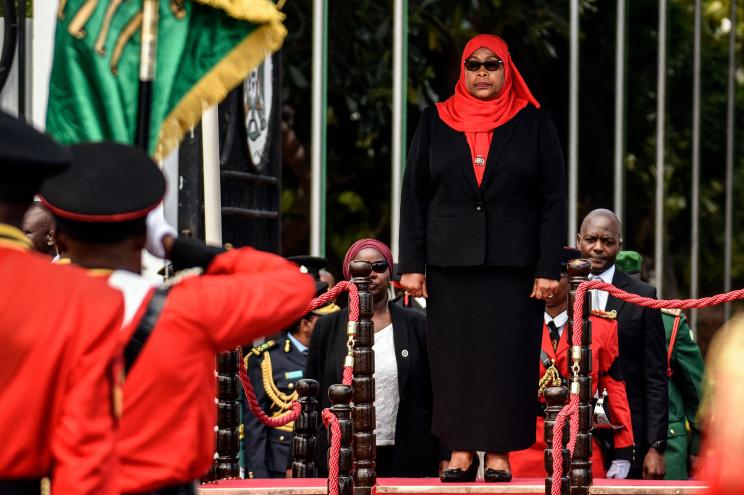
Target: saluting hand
[
  {"x": 414, "y": 284},
  {"x": 544, "y": 288}
]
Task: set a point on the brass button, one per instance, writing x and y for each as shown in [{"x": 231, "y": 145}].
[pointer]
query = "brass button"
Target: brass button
[
  {"x": 281, "y": 438},
  {"x": 291, "y": 386}
]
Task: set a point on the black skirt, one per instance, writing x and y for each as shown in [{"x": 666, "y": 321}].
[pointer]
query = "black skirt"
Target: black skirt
[{"x": 484, "y": 334}]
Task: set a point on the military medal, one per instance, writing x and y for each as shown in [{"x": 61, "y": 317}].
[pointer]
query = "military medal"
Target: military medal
[{"x": 479, "y": 161}]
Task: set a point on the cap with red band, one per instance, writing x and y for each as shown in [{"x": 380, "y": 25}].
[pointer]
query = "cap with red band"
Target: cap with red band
[{"x": 106, "y": 193}]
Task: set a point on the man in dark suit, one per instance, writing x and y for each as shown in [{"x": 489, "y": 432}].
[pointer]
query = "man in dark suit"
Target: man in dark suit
[{"x": 642, "y": 342}]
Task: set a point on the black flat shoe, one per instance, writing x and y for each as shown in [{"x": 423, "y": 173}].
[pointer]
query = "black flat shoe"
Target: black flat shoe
[
  {"x": 497, "y": 476},
  {"x": 457, "y": 475}
]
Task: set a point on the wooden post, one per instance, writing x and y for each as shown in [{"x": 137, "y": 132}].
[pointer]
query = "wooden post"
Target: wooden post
[
  {"x": 340, "y": 397},
  {"x": 305, "y": 429},
  {"x": 364, "y": 384},
  {"x": 227, "y": 463},
  {"x": 581, "y": 464},
  {"x": 556, "y": 398}
]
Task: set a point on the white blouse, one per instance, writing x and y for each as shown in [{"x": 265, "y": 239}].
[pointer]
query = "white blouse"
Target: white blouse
[{"x": 387, "y": 395}]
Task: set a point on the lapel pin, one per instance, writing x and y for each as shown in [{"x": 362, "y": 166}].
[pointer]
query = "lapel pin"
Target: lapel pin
[{"x": 404, "y": 353}]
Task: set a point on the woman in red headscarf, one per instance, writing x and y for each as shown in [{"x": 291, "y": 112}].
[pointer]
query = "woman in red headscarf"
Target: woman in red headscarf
[
  {"x": 482, "y": 227},
  {"x": 405, "y": 445}
]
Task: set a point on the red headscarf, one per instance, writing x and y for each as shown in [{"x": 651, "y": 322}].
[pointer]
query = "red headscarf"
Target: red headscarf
[
  {"x": 381, "y": 248},
  {"x": 466, "y": 113}
]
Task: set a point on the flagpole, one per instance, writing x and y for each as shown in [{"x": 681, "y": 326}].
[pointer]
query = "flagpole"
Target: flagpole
[{"x": 148, "y": 49}]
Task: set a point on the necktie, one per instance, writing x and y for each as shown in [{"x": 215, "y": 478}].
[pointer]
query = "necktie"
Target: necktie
[
  {"x": 595, "y": 293},
  {"x": 554, "y": 335}
]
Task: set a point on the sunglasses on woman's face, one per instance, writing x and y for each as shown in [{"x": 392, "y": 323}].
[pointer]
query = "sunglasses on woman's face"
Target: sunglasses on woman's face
[
  {"x": 379, "y": 266},
  {"x": 491, "y": 65}
]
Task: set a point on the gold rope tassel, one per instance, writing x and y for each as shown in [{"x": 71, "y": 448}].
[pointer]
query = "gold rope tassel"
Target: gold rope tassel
[
  {"x": 551, "y": 378},
  {"x": 61, "y": 10},
  {"x": 77, "y": 24},
  {"x": 126, "y": 34},
  {"x": 106, "y": 26}
]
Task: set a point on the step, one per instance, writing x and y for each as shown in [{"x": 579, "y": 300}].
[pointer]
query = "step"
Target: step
[{"x": 432, "y": 486}]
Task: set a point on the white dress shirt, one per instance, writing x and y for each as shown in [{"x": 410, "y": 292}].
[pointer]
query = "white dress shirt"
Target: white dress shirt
[
  {"x": 601, "y": 295},
  {"x": 560, "y": 321},
  {"x": 387, "y": 394}
]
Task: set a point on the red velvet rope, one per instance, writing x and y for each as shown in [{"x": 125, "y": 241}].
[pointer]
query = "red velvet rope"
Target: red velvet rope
[
  {"x": 335, "y": 452},
  {"x": 571, "y": 409},
  {"x": 332, "y": 293},
  {"x": 328, "y": 417}
]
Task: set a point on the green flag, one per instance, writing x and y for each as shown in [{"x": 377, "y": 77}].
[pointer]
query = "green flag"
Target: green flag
[{"x": 204, "y": 49}]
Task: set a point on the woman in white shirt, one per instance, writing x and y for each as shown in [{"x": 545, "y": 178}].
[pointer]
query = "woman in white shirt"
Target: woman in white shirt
[{"x": 405, "y": 444}]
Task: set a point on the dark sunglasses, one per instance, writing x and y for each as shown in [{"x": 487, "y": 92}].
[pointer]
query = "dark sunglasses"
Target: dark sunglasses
[
  {"x": 378, "y": 266},
  {"x": 490, "y": 65}
]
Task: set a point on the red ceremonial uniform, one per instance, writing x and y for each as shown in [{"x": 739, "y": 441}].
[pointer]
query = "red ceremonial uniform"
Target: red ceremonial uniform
[
  {"x": 59, "y": 332},
  {"x": 167, "y": 429},
  {"x": 529, "y": 463}
]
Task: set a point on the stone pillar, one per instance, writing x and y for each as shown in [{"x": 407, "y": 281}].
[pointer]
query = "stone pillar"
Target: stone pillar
[
  {"x": 340, "y": 397},
  {"x": 305, "y": 430},
  {"x": 364, "y": 384},
  {"x": 227, "y": 462},
  {"x": 581, "y": 361}
]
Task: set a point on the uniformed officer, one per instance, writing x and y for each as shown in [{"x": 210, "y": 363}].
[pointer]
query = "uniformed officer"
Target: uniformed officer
[
  {"x": 685, "y": 369},
  {"x": 274, "y": 368},
  {"x": 171, "y": 334},
  {"x": 58, "y": 343},
  {"x": 605, "y": 374}
]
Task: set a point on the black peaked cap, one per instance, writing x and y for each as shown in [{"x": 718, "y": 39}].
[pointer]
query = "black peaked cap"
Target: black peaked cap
[
  {"x": 27, "y": 157},
  {"x": 106, "y": 193},
  {"x": 105, "y": 183},
  {"x": 311, "y": 264}
]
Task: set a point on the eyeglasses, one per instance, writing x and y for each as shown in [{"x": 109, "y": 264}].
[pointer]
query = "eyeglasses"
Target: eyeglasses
[
  {"x": 379, "y": 266},
  {"x": 490, "y": 65}
]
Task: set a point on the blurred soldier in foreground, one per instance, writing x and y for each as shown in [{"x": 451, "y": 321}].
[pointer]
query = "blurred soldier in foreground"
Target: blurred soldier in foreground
[
  {"x": 723, "y": 442},
  {"x": 59, "y": 332},
  {"x": 685, "y": 373},
  {"x": 274, "y": 368},
  {"x": 171, "y": 334}
]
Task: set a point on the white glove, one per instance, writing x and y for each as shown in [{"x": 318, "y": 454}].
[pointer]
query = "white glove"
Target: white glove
[
  {"x": 157, "y": 228},
  {"x": 619, "y": 469}
]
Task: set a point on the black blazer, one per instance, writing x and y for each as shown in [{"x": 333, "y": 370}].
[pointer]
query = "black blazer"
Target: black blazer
[
  {"x": 517, "y": 217},
  {"x": 416, "y": 451},
  {"x": 643, "y": 362}
]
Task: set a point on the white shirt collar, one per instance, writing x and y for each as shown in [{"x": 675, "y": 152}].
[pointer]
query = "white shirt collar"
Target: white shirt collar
[
  {"x": 559, "y": 320},
  {"x": 607, "y": 275},
  {"x": 299, "y": 345}
]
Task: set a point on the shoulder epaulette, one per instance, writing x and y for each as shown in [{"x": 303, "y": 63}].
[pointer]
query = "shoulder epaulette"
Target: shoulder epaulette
[
  {"x": 672, "y": 311},
  {"x": 607, "y": 315},
  {"x": 258, "y": 350}
]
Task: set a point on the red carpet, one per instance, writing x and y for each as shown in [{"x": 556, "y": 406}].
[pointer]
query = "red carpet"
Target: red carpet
[{"x": 432, "y": 486}]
